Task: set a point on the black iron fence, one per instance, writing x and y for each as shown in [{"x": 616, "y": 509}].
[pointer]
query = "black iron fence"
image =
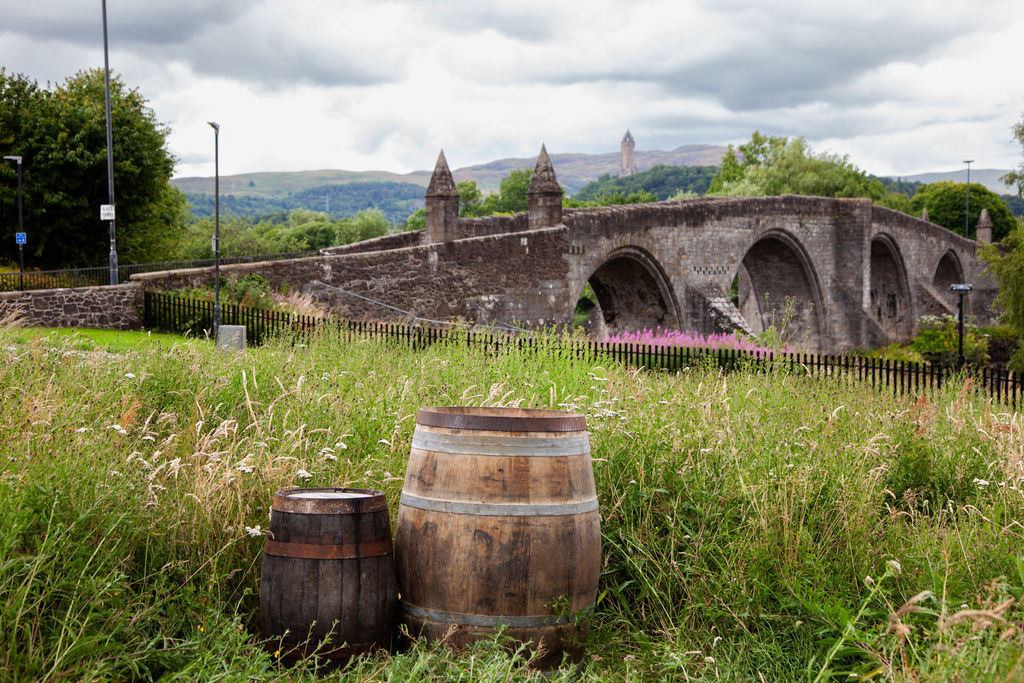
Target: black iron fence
[
  {"x": 169, "y": 312},
  {"x": 90, "y": 277}
]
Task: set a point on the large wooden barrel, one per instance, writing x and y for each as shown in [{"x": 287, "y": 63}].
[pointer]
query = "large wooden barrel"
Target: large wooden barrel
[
  {"x": 498, "y": 525},
  {"x": 328, "y": 569}
]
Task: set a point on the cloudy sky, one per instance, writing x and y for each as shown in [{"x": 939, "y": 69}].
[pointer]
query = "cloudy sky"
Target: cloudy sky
[{"x": 902, "y": 86}]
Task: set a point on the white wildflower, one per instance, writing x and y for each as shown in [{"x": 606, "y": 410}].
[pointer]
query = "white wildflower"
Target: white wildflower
[
  {"x": 129, "y": 375},
  {"x": 895, "y": 566},
  {"x": 82, "y": 430},
  {"x": 981, "y": 483},
  {"x": 118, "y": 428},
  {"x": 244, "y": 468},
  {"x": 254, "y": 530},
  {"x": 303, "y": 474}
]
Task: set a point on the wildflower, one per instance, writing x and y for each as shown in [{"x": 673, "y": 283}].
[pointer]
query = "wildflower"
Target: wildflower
[
  {"x": 303, "y": 474},
  {"x": 277, "y": 653},
  {"x": 868, "y": 581},
  {"x": 82, "y": 430},
  {"x": 254, "y": 530},
  {"x": 244, "y": 468},
  {"x": 895, "y": 566},
  {"x": 981, "y": 483},
  {"x": 201, "y": 629},
  {"x": 129, "y": 375},
  {"x": 384, "y": 441}
]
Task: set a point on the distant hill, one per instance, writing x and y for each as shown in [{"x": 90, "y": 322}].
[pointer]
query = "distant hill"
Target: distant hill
[
  {"x": 576, "y": 170},
  {"x": 989, "y": 177},
  {"x": 343, "y": 193},
  {"x": 661, "y": 181}
]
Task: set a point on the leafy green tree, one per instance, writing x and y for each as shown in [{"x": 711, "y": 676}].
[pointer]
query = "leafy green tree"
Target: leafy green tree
[
  {"x": 778, "y": 165},
  {"x": 313, "y": 229},
  {"x": 661, "y": 182},
  {"x": 417, "y": 220},
  {"x": 1016, "y": 177},
  {"x": 470, "y": 198},
  {"x": 365, "y": 225},
  {"x": 946, "y": 202},
  {"x": 61, "y": 135},
  {"x": 511, "y": 196}
]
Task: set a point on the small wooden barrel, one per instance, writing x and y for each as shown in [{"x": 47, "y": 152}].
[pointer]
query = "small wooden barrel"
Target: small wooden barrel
[
  {"x": 328, "y": 569},
  {"x": 499, "y": 525}
]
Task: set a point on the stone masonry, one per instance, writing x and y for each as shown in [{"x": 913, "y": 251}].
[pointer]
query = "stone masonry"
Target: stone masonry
[
  {"x": 835, "y": 273},
  {"x": 118, "y": 307}
]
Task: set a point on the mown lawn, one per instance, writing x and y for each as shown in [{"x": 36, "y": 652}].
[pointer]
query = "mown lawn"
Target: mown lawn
[{"x": 755, "y": 526}]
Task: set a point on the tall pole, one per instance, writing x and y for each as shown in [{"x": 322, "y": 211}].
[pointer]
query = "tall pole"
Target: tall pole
[
  {"x": 110, "y": 148},
  {"x": 216, "y": 228},
  {"x": 21, "y": 227},
  {"x": 960, "y": 335},
  {"x": 967, "y": 214}
]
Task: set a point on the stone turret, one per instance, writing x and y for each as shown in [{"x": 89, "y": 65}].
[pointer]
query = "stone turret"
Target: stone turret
[
  {"x": 627, "y": 161},
  {"x": 924, "y": 215},
  {"x": 983, "y": 231},
  {"x": 544, "y": 194},
  {"x": 442, "y": 204}
]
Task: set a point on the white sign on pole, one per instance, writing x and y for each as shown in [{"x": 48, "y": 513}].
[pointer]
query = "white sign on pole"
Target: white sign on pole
[{"x": 106, "y": 212}]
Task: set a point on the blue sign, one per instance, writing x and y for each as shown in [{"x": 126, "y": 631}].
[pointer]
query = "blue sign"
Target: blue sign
[{"x": 19, "y": 238}]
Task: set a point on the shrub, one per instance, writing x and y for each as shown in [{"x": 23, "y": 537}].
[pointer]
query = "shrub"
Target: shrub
[{"x": 938, "y": 341}]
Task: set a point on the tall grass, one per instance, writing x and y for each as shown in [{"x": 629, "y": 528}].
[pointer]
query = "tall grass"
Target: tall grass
[{"x": 755, "y": 526}]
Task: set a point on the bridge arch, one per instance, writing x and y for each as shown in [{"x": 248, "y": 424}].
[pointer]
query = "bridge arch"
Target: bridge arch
[
  {"x": 633, "y": 292},
  {"x": 948, "y": 271},
  {"x": 889, "y": 289},
  {"x": 777, "y": 286}
]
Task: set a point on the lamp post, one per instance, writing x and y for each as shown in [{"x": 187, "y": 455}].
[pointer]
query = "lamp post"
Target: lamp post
[
  {"x": 962, "y": 290},
  {"x": 216, "y": 228},
  {"x": 110, "y": 152},
  {"x": 21, "y": 228},
  {"x": 967, "y": 214}
]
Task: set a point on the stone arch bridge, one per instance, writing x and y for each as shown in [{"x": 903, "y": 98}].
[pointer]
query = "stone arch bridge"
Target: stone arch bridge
[{"x": 835, "y": 274}]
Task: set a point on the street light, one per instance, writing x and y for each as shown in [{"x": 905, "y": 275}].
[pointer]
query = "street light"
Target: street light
[
  {"x": 110, "y": 152},
  {"x": 962, "y": 290},
  {"x": 21, "y": 228},
  {"x": 967, "y": 214},
  {"x": 216, "y": 227}
]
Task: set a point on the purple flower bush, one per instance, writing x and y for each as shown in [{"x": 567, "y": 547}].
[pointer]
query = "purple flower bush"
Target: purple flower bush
[{"x": 666, "y": 337}]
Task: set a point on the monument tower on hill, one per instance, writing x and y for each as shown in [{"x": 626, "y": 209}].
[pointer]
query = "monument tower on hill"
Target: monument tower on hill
[{"x": 627, "y": 164}]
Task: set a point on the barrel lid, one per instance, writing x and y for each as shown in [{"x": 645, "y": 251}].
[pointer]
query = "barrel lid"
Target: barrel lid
[
  {"x": 502, "y": 419},
  {"x": 324, "y": 501}
]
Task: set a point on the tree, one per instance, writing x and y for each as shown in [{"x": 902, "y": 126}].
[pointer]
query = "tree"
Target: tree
[
  {"x": 61, "y": 135},
  {"x": 946, "y": 202},
  {"x": 779, "y": 165},
  {"x": 470, "y": 198},
  {"x": 1016, "y": 177},
  {"x": 511, "y": 196},
  {"x": 365, "y": 225}
]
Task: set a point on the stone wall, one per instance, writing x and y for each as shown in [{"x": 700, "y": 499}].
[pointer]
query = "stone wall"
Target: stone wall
[
  {"x": 516, "y": 277},
  {"x": 117, "y": 307}
]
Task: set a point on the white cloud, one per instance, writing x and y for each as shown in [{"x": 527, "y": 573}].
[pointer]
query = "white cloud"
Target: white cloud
[{"x": 900, "y": 87}]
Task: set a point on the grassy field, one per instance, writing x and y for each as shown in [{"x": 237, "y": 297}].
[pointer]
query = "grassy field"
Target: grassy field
[{"x": 755, "y": 527}]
